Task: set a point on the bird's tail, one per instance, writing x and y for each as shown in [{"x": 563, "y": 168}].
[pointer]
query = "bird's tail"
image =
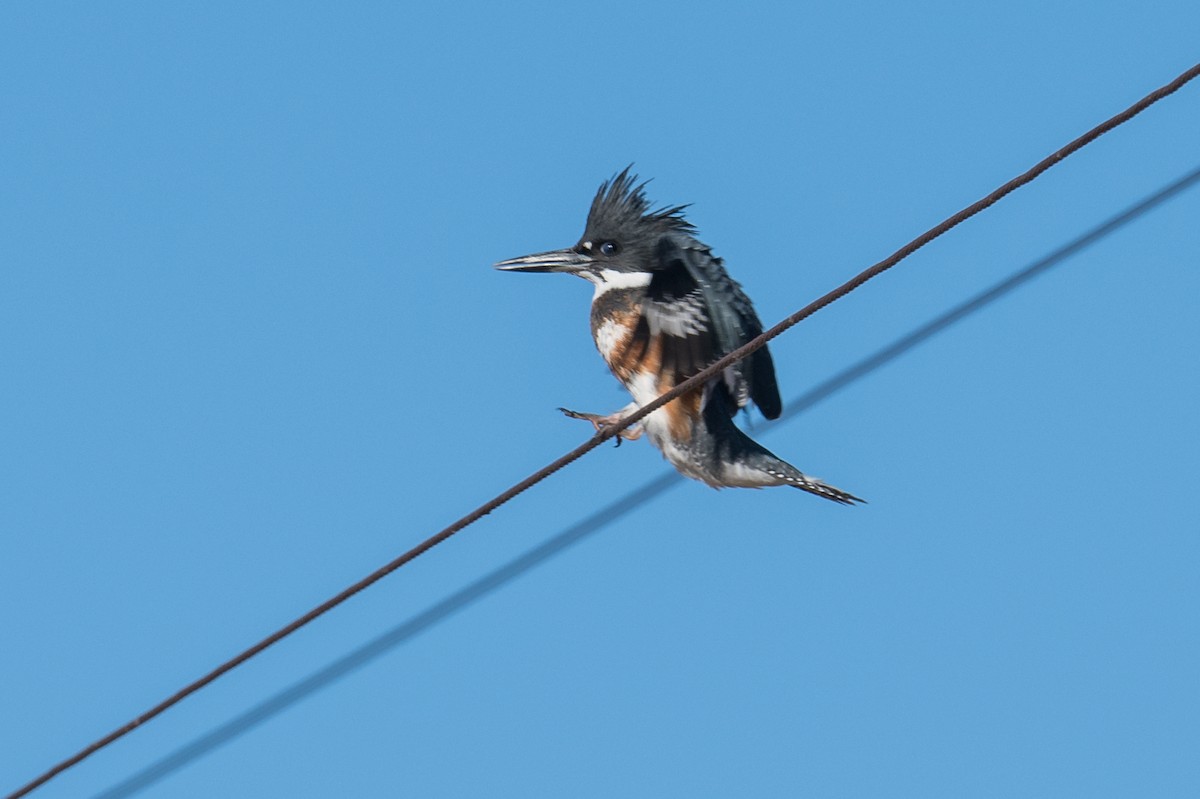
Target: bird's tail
[
  {"x": 742, "y": 455},
  {"x": 797, "y": 479}
]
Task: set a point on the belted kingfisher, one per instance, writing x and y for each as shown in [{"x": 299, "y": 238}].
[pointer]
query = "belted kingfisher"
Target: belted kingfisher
[{"x": 664, "y": 308}]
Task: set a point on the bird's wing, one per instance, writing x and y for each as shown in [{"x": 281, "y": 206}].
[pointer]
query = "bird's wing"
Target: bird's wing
[
  {"x": 705, "y": 315},
  {"x": 676, "y": 312}
]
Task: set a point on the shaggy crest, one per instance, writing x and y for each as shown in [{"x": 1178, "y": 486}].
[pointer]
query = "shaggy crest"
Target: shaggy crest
[{"x": 621, "y": 203}]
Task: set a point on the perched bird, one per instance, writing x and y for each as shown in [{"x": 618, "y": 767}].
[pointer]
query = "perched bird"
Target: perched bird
[{"x": 664, "y": 308}]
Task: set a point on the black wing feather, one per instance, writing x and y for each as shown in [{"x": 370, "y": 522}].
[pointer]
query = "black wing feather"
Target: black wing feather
[
  {"x": 734, "y": 323},
  {"x": 689, "y": 271},
  {"x": 675, "y": 310}
]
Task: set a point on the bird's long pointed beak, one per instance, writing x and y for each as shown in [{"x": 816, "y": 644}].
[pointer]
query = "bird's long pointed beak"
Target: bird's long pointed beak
[{"x": 553, "y": 261}]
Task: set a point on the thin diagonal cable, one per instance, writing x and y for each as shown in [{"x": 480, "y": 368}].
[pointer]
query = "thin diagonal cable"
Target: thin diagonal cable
[
  {"x": 381, "y": 644},
  {"x": 598, "y": 439},
  {"x": 618, "y": 508}
]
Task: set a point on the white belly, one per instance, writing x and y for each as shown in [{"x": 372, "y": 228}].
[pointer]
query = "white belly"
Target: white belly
[{"x": 657, "y": 427}]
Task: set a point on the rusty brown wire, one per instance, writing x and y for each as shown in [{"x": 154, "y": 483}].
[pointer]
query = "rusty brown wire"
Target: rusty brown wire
[{"x": 601, "y": 437}]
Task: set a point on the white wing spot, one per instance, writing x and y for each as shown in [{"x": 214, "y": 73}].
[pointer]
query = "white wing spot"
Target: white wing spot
[{"x": 681, "y": 317}]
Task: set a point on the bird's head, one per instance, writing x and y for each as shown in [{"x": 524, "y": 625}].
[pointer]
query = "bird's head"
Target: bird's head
[{"x": 623, "y": 236}]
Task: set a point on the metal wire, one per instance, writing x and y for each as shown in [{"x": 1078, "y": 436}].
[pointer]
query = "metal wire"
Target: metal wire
[
  {"x": 614, "y": 510},
  {"x": 601, "y": 437}
]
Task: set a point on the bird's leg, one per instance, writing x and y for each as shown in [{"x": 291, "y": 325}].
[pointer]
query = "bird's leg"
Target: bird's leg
[{"x": 601, "y": 423}]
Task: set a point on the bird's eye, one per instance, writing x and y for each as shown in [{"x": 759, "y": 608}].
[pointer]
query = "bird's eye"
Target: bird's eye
[{"x": 608, "y": 248}]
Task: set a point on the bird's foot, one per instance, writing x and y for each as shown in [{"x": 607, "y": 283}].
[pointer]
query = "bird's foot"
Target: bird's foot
[{"x": 604, "y": 423}]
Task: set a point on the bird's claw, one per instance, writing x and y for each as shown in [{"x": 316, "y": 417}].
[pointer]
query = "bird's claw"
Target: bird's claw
[{"x": 602, "y": 424}]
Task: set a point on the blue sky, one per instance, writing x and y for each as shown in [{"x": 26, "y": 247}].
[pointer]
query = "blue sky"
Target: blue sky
[{"x": 253, "y": 348}]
